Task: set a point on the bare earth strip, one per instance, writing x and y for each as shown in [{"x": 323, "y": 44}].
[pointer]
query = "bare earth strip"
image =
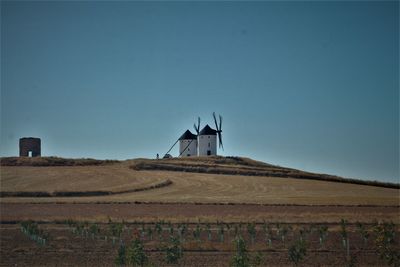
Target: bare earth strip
[{"x": 192, "y": 212}]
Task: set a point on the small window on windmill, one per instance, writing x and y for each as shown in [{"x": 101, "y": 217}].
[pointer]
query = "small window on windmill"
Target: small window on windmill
[
  {"x": 208, "y": 137},
  {"x": 208, "y": 144}
]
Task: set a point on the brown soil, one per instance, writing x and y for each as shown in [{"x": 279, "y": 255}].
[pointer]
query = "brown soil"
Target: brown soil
[
  {"x": 65, "y": 248},
  {"x": 194, "y": 212}
]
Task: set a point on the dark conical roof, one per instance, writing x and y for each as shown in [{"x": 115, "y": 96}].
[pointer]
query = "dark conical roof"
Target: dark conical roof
[
  {"x": 207, "y": 130},
  {"x": 188, "y": 136}
]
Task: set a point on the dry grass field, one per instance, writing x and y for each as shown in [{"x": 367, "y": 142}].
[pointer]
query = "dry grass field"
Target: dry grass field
[
  {"x": 275, "y": 198},
  {"x": 187, "y": 187},
  {"x": 114, "y": 177}
]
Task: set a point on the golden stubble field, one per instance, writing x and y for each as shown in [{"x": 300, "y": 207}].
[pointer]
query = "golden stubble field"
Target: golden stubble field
[
  {"x": 114, "y": 177},
  {"x": 186, "y": 187}
]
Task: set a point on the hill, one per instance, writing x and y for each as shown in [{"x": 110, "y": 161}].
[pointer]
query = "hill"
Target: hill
[
  {"x": 189, "y": 180},
  {"x": 243, "y": 166}
]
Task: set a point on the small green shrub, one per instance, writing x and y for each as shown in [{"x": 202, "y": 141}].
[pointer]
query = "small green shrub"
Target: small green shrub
[
  {"x": 136, "y": 255},
  {"x": 120, "y": 260},
  {"x": 323, "y": 233},
  {"x": 297, "y": 252},
  {"x": 32, "y": 230},
  {"x": 251, "y": 229},
  {"x": 208, "y": 229},
  {"x": 173, "y": 251},
  {"x": 197, "y": 233},
  {"x": 343, "y": 232},
  {"x": 363, "y": 232},
  {"x": 241, "y": 257},
  {"x": 385, "y": 243}
]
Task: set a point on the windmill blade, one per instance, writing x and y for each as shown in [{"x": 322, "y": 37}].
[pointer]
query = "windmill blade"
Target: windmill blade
[
  {"x": 220, "y": 123},
  {"x": 198, "y": 123},
  {"x": 215, "y": 120},
  {"x": 220, "y": 140},
  {"x": 197, "y": 127}
]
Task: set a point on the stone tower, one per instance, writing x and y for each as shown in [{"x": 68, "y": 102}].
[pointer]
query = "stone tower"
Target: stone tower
[{"x": 29, "y": 144}]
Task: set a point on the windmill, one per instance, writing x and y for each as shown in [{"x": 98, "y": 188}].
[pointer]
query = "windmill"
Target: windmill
[
  {"x": 187, "y": 143},
  {"x": 203, "y": 143},
  {"x": 197, "y": 127},
  {"x": 207, "y": 138},
  {"x": 219, "y": 130}
]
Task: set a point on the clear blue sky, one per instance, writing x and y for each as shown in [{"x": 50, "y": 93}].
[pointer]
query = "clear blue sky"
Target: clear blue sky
[{"x": 309, "y": 85}]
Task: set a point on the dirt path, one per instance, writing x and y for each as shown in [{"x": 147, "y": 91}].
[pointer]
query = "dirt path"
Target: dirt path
[{"x": 193, "y": 212}]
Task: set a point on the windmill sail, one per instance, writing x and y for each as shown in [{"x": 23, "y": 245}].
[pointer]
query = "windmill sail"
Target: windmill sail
[{"x": 219, "y": 130}]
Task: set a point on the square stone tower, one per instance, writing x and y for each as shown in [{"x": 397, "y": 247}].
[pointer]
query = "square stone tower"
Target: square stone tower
[{"x": 29, "y": 144}]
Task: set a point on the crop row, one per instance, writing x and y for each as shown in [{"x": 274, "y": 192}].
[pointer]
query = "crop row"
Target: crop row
[
  {"x": 132, "y": 241},
  {"x": 32, "y": 230}
]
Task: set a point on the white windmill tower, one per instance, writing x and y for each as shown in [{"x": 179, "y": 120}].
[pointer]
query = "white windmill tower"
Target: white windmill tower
[
  {"x": 187, "y": 144},
  {"x": 207, "y": 139}
]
